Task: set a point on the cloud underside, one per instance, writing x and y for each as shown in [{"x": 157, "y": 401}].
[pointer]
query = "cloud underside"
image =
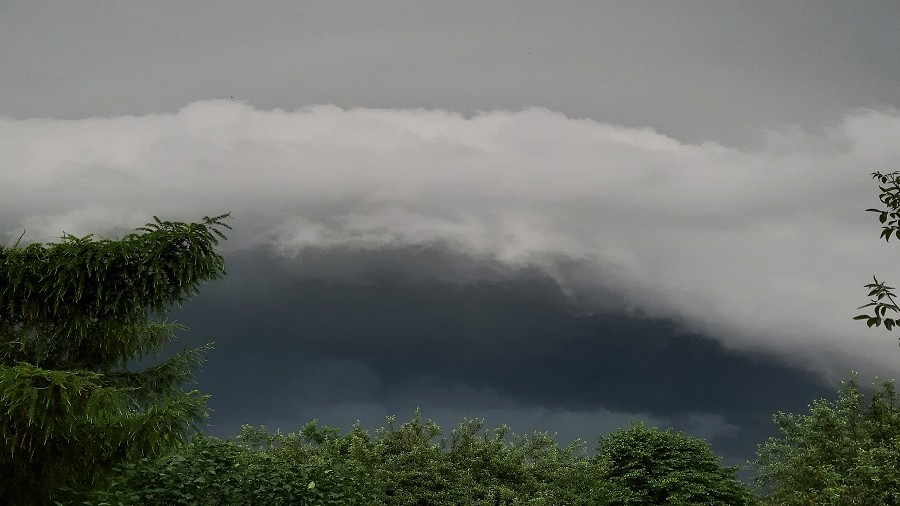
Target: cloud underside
[
  {"x": 290, "y": 348},
  {"x": 762, "y": 250}
]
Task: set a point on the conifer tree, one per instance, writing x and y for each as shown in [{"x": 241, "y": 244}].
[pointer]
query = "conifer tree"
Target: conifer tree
[{"x": 78, "y": 320}]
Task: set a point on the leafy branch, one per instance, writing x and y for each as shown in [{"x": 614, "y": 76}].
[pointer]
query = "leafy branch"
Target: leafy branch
[
  {"x": 882, "y": 299},
  {"x": 890, "y": 196},
  {"x": 882, "y": 296}
]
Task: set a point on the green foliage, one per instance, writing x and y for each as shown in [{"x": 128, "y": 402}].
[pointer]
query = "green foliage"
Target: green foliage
[
  {"x": 881, "y": 296},
  {"x": 411, "y": 465},
  {"x": 73, "y": 316},
  {"x": 506, "y": 467},
  {"x": 844, "y": 452},
  {"x": 890, "y": 197},
  {"x": 208, "y": 471},
  {"x": 647, "y": 466},
  {"x": 882, "y": 299},
  {"x": 406, "y": 465}
]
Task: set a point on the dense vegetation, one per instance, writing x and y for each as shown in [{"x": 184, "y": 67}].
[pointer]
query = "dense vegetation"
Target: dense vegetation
[
  {"x": 842, "y": 452},
  {"x": 80, "y": 423},
  {"x": 411, "y": 465},
  {"x": 76, "y": 317}
]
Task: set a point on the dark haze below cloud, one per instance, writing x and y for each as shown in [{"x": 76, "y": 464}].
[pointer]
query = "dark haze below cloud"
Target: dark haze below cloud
[{"x": 292, "y": 346}]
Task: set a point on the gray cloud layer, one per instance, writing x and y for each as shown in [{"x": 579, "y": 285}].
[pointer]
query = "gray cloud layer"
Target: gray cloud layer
[{"x": 702, "y": 70}]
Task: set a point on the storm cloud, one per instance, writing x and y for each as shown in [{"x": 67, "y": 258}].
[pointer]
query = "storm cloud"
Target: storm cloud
[
  {"x": 760, "y": 249},
  {"x": 559, "y": 217}
]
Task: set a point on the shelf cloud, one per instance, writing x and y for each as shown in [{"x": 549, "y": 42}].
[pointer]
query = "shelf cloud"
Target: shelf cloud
[{"x": 763, "y": 249}]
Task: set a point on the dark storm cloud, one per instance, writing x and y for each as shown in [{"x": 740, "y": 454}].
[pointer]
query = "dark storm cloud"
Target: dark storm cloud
[{"x": 290, "y": 347}]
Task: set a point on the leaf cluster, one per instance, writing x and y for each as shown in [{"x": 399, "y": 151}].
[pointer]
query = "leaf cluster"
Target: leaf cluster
[
  {"x": 882, "y": 299},
  {"x": 881, "y": 295},
  {"x": 890, "y": 196}
]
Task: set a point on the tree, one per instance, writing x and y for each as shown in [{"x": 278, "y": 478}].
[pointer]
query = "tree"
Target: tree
[
  {"x": 844, "y": 452},
  {"x": 78, "y": 319},
  {"x": 882, "y": 296},
  {"x": 647, "y": 466}
]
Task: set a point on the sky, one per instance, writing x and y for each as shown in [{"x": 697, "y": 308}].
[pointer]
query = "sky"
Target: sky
[{"x": 563, "y": 217}]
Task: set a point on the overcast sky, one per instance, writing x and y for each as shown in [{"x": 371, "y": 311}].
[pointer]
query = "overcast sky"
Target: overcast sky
[{"x": 558, "y": 215}]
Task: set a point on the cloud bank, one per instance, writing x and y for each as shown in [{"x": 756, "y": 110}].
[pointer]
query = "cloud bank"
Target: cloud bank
[{"x": 763, "y": 250}]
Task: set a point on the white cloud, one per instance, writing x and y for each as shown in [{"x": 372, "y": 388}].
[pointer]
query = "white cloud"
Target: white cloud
[{"x": 762, "y": 249}]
